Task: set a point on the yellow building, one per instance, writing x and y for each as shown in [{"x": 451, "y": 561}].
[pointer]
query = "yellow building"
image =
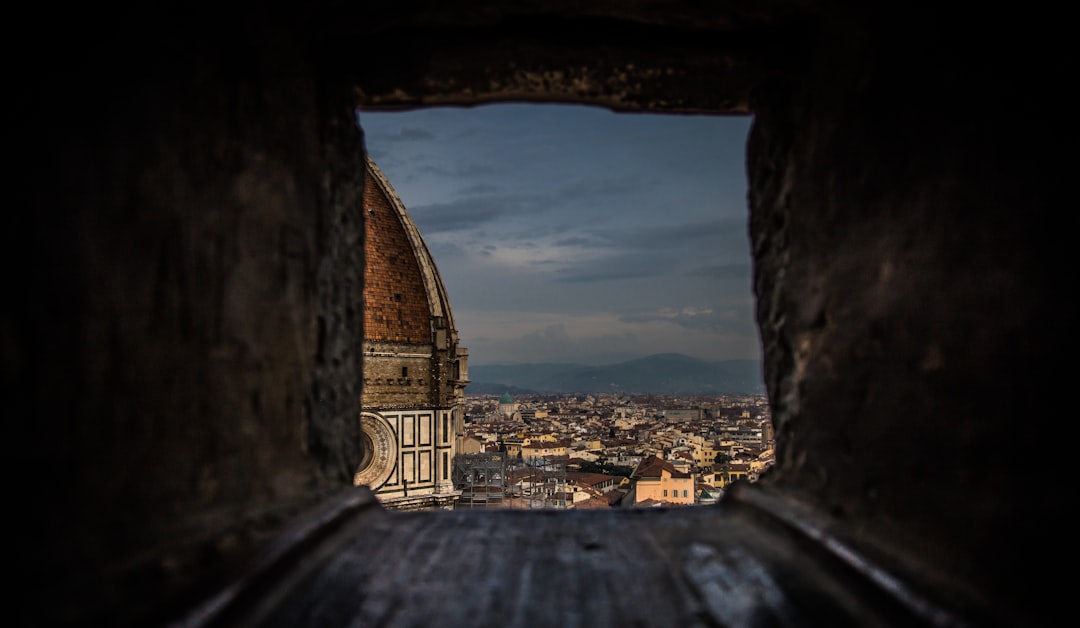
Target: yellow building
[
  {"x": 731, "y": 473},
  {"x": 658, "y": 480},
  {"x": 705, "y": 454},
  {"x": 543, "y": 449},
  {"x": 512, "y": 447},
  {"x": 738, "y": 471}
]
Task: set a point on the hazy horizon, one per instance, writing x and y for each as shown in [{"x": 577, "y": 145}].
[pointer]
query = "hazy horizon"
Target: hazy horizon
[{"x": 608, "y": 363}]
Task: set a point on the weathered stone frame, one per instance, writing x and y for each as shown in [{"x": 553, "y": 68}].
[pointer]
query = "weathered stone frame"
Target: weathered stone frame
[{"x": 184, "y": 352}]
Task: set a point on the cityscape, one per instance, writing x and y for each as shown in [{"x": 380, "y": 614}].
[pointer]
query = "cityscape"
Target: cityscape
[
  {"x": 427, "y": 445},
  {"x": 578, "y": 451}
]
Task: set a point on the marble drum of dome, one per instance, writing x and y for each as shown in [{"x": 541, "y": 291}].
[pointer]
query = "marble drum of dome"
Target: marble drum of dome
[{"x": 378, "y": 452}]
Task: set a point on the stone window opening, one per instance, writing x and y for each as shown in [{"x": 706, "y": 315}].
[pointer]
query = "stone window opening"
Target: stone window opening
[
  {"x": 886, "y": 172},
  {"x": 375, "y": 144}
]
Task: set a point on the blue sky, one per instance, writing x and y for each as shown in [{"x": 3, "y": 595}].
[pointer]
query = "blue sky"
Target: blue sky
[{"x": 575, "y": 234}]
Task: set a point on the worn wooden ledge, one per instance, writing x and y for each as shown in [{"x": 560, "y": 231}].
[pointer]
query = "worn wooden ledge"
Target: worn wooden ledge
[{"x": 749, "y": 560}]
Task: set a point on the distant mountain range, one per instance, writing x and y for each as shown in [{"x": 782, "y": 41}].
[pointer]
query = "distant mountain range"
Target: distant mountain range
[{"x": 663, "y": 373}]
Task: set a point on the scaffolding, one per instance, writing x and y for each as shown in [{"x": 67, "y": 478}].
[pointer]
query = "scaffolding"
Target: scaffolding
[
  {"x": 492, "y": 480},
  {"x": 538, "y": 483},
  {"x": 481, "y": 478}
]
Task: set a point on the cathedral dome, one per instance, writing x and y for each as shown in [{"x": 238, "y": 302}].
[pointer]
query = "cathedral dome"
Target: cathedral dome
[
  {"x": 414, "y": 372},
  {"x": 403, "y": 293}
]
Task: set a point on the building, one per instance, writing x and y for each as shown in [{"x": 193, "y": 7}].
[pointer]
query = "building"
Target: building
[
  {"x": 683, "y": 415},
  {"x": 544, "y": 449},
  {"x": 507, "y": 406},
  {"x": 659, "y": 481},
  {"x": 414, "y": 372}
]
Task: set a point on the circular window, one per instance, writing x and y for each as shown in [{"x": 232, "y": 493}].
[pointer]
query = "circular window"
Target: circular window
[{"x": 378, "y": 450}]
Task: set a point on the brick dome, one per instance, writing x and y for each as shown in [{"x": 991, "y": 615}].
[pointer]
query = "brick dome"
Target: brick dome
[{"x": 403, "y": 293}]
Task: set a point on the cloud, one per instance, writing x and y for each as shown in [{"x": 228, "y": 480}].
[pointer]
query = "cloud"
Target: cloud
[
  {"x": 604, "y": 187},
  {"x": 459, "y": 215},
  {"x": 576, "y": 241},
  {"x": 630, "y": 266},
  {"x": 473, "y": 169},
  {"x": 447, "y": 250},
  {"x": 680, "y": 235},
  {"x": 496, "y": 336},
  {"x": 554, "y": 343},
  {"x": 458, "y": 170},
  {"x": 701, "y": 318},
  {"x": 412, "y": 134},
  {"x": 479, "y": 188},
  {"x": 722, "y": 271},
  {"x": 564, "y": 232},
  {"x": 403, "y": 134}
]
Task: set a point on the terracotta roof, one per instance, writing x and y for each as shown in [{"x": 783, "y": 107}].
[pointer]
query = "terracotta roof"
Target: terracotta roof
[
  {"x": 592, "y": 503},
  {"x": 652, "y": 467},
  {"x": 591, "y": 479}
]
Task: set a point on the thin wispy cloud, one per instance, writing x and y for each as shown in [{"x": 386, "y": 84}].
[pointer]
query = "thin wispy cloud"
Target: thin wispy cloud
[
  {"x": 722, "y": 271},
  {"x": 459, "y": 215},
  {"x": 409, "y": 134},
  {"x": 680, "y": 235},
  {"x": 605, "y": 187},
  {"x": 703, "y": 318},
  {"x": 476, "y": 189},
  {"x": 612, "y": 273},
  {"x": 578, "y": 241}
]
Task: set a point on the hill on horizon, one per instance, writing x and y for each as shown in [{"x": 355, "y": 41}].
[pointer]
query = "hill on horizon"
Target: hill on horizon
[{"x": 662, "y": 373}]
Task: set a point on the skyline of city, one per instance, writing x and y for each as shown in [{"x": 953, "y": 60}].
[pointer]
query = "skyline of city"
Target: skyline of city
[
  {"x": 609, "y": 450},
  {"x": 575, "y": 234}
]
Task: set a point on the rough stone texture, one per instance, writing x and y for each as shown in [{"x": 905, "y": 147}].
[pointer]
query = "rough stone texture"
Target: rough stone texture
[
  {"x": 181, "y": 350},
  {"x": 692, "y": 566},
  {"x": 183, "y": 344},
  {"x": 903, "y": 262},
  {"x": 627, "y": 56}
]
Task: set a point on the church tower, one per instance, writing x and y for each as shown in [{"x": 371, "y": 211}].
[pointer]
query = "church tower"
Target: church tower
[{"x": 414, "y": 373}]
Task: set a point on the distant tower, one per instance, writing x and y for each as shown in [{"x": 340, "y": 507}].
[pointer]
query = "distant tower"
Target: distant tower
[
  {"x": 507, "y": 407},
  {"x": 413, "y": 397}
]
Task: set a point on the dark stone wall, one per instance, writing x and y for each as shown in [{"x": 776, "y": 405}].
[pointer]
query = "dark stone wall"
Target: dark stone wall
[
  {"x": 183, "y": 340},
  {"x": 185, "y": 243},
  {"x": 905, "y": 216}
]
